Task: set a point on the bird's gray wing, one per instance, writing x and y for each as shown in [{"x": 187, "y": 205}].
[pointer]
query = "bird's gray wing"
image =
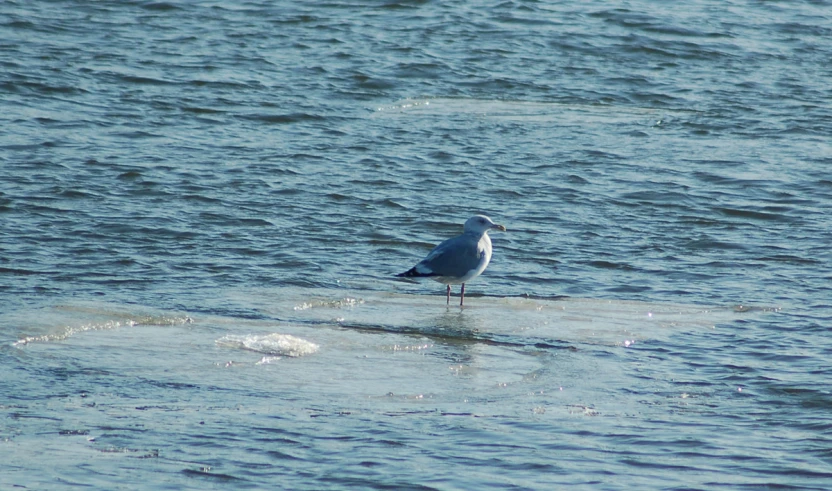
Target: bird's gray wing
[{"x": 454, "y": 257}]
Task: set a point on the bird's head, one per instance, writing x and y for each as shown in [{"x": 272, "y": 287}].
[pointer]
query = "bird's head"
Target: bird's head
[{"x": 480, "y": 224}]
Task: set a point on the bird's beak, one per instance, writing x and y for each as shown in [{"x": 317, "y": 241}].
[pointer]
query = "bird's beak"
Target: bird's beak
[{"x": 498, "y": 227}]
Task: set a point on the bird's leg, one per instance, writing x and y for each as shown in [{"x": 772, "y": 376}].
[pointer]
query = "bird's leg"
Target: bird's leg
[
  {"x": 449, "y": 294},
  {"x": 462, "y": 295}
]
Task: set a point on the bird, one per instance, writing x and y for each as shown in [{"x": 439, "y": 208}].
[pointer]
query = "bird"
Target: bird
[{"x": 460, "y": 259}]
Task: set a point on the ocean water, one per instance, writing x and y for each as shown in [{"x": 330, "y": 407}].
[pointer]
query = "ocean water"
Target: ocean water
[{"x": 203, "y": 206}]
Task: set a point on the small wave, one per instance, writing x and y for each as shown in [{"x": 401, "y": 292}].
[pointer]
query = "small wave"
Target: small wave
[
  {"x": 70, "y": 331},
  {"x": 284, "y": 118},
  {"x": 270, "y": 344},
  {"x": 336, "y": 304}
]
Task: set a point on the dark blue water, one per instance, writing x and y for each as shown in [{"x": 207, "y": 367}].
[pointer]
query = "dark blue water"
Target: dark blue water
[{"x": 203, "y": 204}]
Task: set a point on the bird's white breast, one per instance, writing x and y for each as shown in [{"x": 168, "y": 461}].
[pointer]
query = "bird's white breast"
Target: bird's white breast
[{"x": 484, "y": 251}]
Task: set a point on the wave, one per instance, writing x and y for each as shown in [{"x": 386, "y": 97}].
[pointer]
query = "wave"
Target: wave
[{"x": 68, "y": 331}]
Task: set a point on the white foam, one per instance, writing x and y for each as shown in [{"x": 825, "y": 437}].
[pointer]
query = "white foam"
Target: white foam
[{"x": 270, "y": 344}]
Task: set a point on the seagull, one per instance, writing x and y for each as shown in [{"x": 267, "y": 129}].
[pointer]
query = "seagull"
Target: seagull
[{"x": 459, "y": 259}]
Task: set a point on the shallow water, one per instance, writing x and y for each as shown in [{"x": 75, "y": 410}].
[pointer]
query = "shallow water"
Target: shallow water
[{"x": 204, "y": 205}]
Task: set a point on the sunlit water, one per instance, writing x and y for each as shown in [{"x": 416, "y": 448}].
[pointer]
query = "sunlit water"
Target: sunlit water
[{"x": 203, "y": 207}]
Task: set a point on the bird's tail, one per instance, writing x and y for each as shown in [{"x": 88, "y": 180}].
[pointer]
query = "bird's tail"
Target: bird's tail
[{"x": 415, "y": 273}]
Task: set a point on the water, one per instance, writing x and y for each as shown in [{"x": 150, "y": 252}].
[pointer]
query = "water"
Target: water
[{"x": 203, "y": 206}]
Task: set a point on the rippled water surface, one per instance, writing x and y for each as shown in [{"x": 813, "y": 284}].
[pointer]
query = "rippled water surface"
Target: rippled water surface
[{"x": 203, "y": 206}]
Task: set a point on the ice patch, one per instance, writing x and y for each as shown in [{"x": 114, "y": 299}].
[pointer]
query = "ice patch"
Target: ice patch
[{"x": 270, "y": 344}]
